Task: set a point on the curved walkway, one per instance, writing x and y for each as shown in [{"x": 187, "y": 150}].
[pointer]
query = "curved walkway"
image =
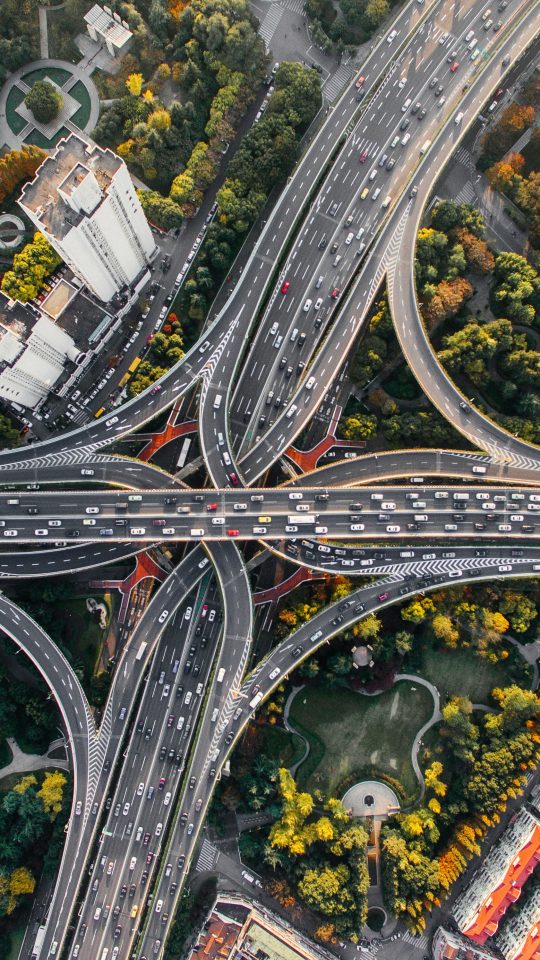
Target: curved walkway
[
  {"x": 27, "y": 762},
  {"x": 12, "y": 139},
  {"x": 435, "y": 717},
  {"x": 295, "y": 766}
]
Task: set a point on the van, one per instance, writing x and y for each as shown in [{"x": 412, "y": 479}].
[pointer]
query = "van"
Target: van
[
  {"x": 217, "y": 401},
  {"x": 472, "y": 44},
  {"x": 215, "y": 715},
  {"x": 278, "y": 341},
  {"x": 375, "y": 193},
  {"x": 386, "y": 202},
  {"x": 338, "y": 258},
  {"x": 459, "y": 117},
  {"x": 395, "y": 142},
  {"x": 134, "y": 497},
  {"x": 461, "y": 496},
  {"x": 405, "y": 139},
  {"x": 469, "y": 35},
  {"x": 406, "y": 105},
  {"x": 421, "y": 517},
  {"x": 97, "y": 913},
  {"x": 294, "y": 334},
  {"x": 486, "y": 14},
  {"x": 425, "y": 147},
  {"x": 450, "y": 526},
  {"x": 197, "y": 532},
  {"x": 478, "y": 469}
]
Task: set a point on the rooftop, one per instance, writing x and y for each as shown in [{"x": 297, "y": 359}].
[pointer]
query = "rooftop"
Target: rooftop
[
  {"x": 107, "y": 26},
  {"x": 65, "y": 169}
]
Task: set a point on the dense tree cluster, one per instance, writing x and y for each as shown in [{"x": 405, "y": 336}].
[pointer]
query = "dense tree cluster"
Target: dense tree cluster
[
  {"x": 496, "y": 356},
  {"x": 216, "y": 56},
  {"x": 31, "y": 267},
  {"x": 44, "y": 100},
  {"x": 166, "y": 349},
  {"x": 513, "y": 121},
  {"x": 483, "y": 761},
  {"x": 17, "y": 166},
  {"x": 28, "y": 812},
  {"x": 355, "y": 22}
]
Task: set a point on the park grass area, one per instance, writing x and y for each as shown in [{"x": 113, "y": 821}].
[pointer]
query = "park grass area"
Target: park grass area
[
  {"x": 80, "y": 94},
  {"x": 15, "y": 97},
  {"x": 39, "y": 140},
  {"x": 283, "y": 747},
  {"x": 55, "y": 74},
  {"x": 462, "y": 673},
  {"x": 350, "y": 734},
  {"x": 16, "y": 937},
  {"x": 83, "y": 637}
]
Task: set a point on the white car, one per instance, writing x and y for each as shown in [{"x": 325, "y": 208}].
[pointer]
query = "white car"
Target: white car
[
  {"x": 187, "y": 615},
  {"x": 140, "y": 790},
  {"x": 167, "y": 799},
  {"x": 137, "y": 531},
  {"x": 92, "y": 510},
  {"x": 163, "y": 616},
  {"x": 41, "y": 533},
  {"x": 358, "y": 526},
  {"x": 393, "y": 529},
  {"x": 11, "y": 533},
  {"x": 307, "y": 305},
  {"x": 55, "y": 523}
]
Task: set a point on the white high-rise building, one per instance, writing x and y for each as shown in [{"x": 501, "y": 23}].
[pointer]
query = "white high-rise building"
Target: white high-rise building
[{"x": 83, "y": 201}]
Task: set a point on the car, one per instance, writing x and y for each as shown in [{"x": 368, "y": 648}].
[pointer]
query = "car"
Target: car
[
  {"x": 363, "y": 156},
  {"x": 433, "y": 82},
  {"x": 307, "y": 305},
  {"x": 234, "y": 479},
  {"x": 335, "y": 293},
  {"x": 163, "y": 616},
  {"x": 382, "y": 597},
  {"x": 285, "y": 286},
  {"x": 391, "y": 163},
  {"x": 161, "y": 783},
  {"x": 413, "y": 192},
  {"x": 170, "y": 720},
  {"x": 454, "y": 67},
  {"x": 361, "y": 81},
  {"x": 422, "y": 114},
  {"x": 233, "y": 533}
]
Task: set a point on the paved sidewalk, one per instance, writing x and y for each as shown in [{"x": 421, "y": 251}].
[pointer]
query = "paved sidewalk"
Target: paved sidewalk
[{"x": 26, "y": 762}]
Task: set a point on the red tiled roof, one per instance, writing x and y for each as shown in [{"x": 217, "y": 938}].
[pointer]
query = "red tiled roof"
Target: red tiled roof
[{"x": 498, "y": 900}]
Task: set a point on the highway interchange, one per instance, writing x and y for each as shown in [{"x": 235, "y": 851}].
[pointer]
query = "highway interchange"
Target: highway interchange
[{"x": 152, "y": 732}]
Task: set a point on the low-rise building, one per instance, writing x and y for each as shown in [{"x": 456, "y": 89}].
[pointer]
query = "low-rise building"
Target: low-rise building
[
  {"x": 108, "y": 28},
  {"x": 498, "y": 882},
  {"x": 238, "y": 930}
]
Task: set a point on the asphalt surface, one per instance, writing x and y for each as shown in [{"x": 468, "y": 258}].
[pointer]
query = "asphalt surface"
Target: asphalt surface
[{"x": 389, "y": 512}]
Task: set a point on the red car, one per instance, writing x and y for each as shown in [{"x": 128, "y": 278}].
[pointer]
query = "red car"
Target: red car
[
  {"x": 161, "y": 783},
  {"x": 382, "y": 597},
  {"x": 454, "y": 66},
  {"x": 335, "y": 293},
  {"x": 285, "y": 286},
  {"x": 170, "y": 721},
  {"x": 234, "y": 479},
  {"x": 204, "y": 611},
  {"x": 363, "y": 156},
  {"x": 211, "y": 507},
  {"x": 233, "y": 533}
]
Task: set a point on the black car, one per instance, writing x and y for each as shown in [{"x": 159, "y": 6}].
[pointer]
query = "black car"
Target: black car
[
  {"x": 322, "y": 243},
  {"x": 123, "y": 890},
  {"x": 163, "y": 753},
  {"x": 359, "y": 607},
  {"x": 337, "y": 620},
  {"x": 140, "y": 726},
  {"x": 334, "y": 247}
]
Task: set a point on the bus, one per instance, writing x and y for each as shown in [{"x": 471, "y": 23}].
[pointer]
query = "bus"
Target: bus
[
  {"x": 256, "y": 700},
  {"x": 105, "y": 953},
  {"x": 221, "y": 674},
  {"x": 140, "y": 651},
  {"x": 124, "y": 380},
  {"x": 183, "y": 453},
  {"x": 301, "y": 518},
  {"x": 99, "y": 412},
  {"x": 36, "y": 950},
  {"x": 134, "y": 364}
]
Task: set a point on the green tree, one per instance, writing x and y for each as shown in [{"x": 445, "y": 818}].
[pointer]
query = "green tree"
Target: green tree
[{"x": 44, "y": 100}]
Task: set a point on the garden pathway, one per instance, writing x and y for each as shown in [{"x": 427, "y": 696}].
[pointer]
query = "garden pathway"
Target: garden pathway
[
  {"x": 435, "y": 717},
  {"x": 286, "y": 724},
  {"x": 77, "y": 71},
  {"x": 26, "y": 762}
]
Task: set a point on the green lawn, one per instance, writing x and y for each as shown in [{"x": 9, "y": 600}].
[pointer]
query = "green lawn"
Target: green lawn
[
  {"x": 84, "y": 637},
  {"x": 286, "y": 748},
  {"x": 14, "y": 99},
  {"x": 56, "y": 74},
  {"x": 462, "y": 673},
  {"x": 80, "y": 93},
  {"x": 39, "y": 140},
  {"x": 350, "y": 734}
]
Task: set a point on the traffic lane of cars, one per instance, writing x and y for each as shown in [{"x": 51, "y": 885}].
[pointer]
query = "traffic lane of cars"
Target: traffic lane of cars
[
  {"x": 138, "y": 816},
  {"x": 405, "y": 100}
]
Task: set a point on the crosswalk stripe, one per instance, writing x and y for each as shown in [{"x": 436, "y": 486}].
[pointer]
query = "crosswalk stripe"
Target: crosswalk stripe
[
  {"x": 334, "y": 84},
  {"x": 466, "y": 194},
  {"x": 270, "y": 22},
  {"x": 297, "y": 6},
  {"x": 207, "y": 857}
]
